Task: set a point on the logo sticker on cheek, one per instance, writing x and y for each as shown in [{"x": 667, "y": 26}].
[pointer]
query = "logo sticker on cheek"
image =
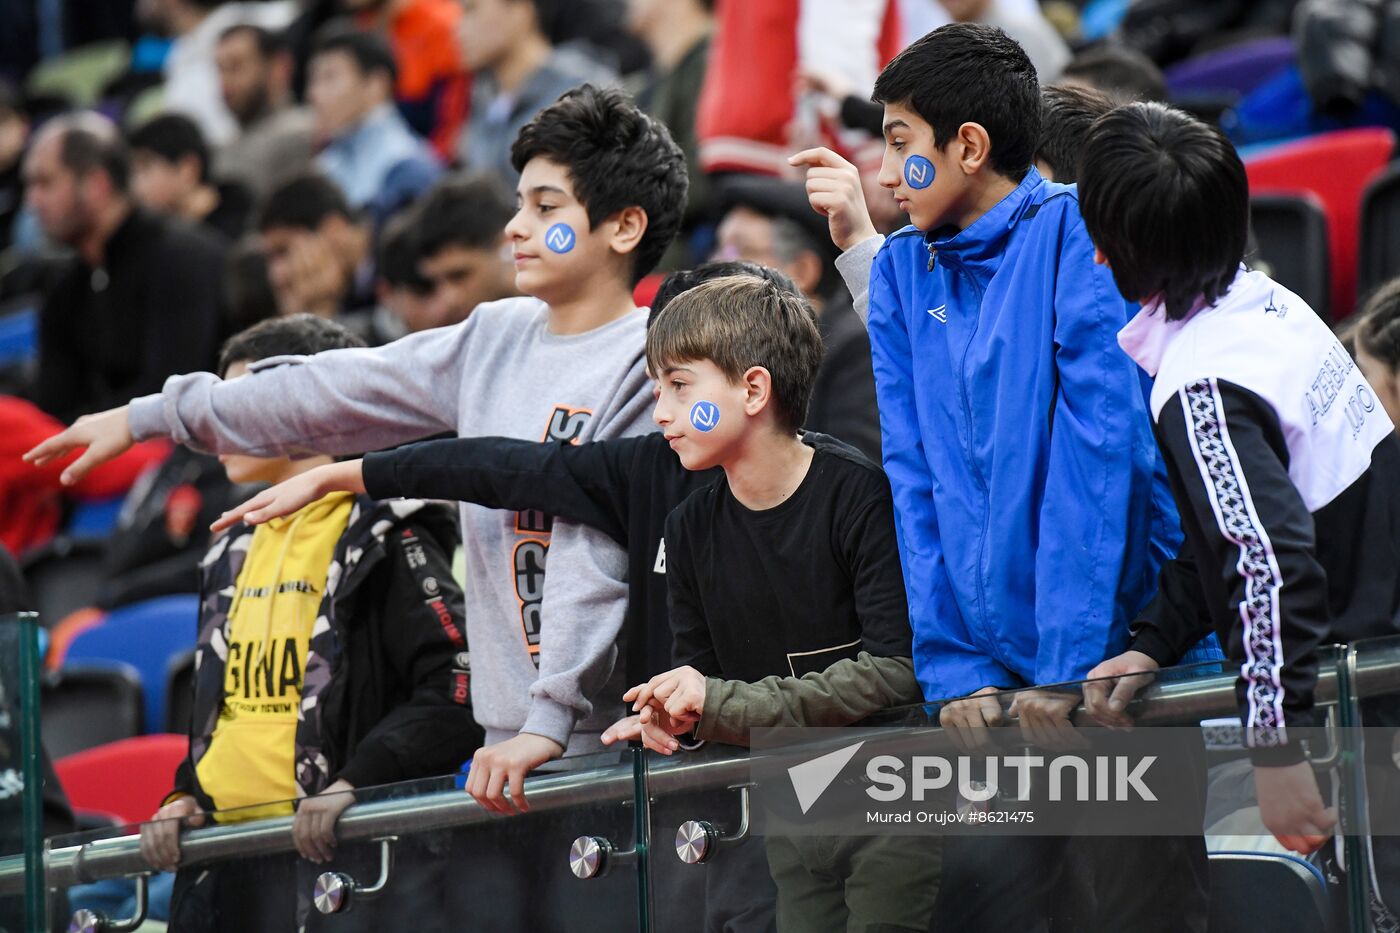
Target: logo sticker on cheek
[
  {"x": 704, "y": 416},
  {"x": 918, "y": 171},
  {"x": 560, "y": 238}
]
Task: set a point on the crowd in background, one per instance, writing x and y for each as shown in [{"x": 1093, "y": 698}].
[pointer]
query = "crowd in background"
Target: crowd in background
[{"x": 196, "y": 167}]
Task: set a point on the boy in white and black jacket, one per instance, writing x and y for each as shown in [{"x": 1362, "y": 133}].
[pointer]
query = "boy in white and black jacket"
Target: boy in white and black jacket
[{"x": 1285, "y": 467}]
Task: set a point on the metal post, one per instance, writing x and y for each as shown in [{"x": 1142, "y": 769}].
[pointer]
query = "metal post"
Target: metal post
[
  {"x": 641, "y": 816},
  {"x": 30, "y": 753}
]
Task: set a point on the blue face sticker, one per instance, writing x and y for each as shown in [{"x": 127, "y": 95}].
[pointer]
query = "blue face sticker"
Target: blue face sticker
[
  {"x": 704, "y": 416},
  {"x": 918, "y": 171},
  {"x": 560, "y": 238}
]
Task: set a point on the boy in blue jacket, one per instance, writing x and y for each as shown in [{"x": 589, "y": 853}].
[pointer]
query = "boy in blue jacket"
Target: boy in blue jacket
[{"x": 1016, "y": 437}]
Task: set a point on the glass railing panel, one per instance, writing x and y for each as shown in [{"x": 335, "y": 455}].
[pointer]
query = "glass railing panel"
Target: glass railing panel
[
  {"x": 1371, "y": 774},
  {"x": 1028, "y": 812},
  {"x": 22, "y": 769},
  {"x": 448, "y": 862}
]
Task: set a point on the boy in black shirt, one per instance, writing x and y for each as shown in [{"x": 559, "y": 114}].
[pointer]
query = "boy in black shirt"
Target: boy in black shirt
[{"x": 780, "y": 568}]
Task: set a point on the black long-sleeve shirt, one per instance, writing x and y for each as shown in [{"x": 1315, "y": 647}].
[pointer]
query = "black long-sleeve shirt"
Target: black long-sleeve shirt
[
  {"x": 625, "y": 488},
  {"x": 1254, "y": 552},
  {"x": 151, "y": 311},
  {"x": 793, "y": 589}
]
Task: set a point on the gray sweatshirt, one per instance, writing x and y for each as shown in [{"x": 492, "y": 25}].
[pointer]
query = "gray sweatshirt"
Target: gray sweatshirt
[{"x": 543, "y": 646}]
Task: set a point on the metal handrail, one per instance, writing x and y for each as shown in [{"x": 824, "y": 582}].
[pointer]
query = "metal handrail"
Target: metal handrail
[{"x": 1162, "y": 704}]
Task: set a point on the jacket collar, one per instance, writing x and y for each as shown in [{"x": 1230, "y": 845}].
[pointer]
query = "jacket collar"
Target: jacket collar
[
  {"x": 1149, "y": 334},
  {"x": 979, "y": 248}
]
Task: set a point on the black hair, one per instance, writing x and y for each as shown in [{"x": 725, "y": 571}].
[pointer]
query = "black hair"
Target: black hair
[
  {"x": 370, "y": 50},
  {"x": 269, "y": 42},
  {"x": 1122, "y": 73},
  {"x": 396, "y": 259},
  {"x": 682, "y": 280},
  {"x": 248, "y": 295},
  {"x": 1165, "y": 198},
  {"x": 970, "y": 73},
  {"x": 469, "y": 211},
  {"x": 172, "y": 137},
  {"x": 292, "y": 335},
  {"x": 1066, "y": 113},
  {"x": 1377, "y": 329},
  {"x": 303, "y": 202},
  {"x": 617, "y": 157},
  {"x": 88, "y": 143}
]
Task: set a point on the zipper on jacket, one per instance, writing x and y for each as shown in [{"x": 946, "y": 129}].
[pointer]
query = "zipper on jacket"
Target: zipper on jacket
[{"x": 958, "y": 269}]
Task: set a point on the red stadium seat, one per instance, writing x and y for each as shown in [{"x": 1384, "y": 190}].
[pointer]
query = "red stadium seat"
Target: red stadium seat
[
  {"x": 1336, "y": 167},
  {"x": 646, "y": 289},
  {"x": 127, "y": 779}
]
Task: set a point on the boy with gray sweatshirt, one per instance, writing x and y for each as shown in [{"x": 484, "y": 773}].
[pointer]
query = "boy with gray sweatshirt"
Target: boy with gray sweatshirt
[{"x": 600, "y": 197}]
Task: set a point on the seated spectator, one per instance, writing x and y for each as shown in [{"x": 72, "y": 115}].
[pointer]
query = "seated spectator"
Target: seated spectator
[
  {"x": 191, "y": 75},
  {"x": 1123, "y": 73},
  {"x": 769, "y": 223},
  {"x": 113, "y": 327},
  {"x": 330, "y": 603},
  {"x": 1031, "y": 30},
  {"x": 677, "y": 32},
  {"x": 518, "y": 73},
  {"x": 1377, "y": 346},
  {"x": 14, "y": 133},
  {"x": 274, "y": 137},
  {"x": 319, "y": 256},
  {"x": 433, "y": 85},
  {"x": 372, "y": 155},
  {"x": 405, "y": 296},
  {"x": 170, "y": 176},
  {"x": 1066, "y": 113},
  {"x": 248, "y": 294},
  {"x": 462, "y": 247}
]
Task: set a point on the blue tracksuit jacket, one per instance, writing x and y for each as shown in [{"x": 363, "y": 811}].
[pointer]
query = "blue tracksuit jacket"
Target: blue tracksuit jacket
[{"x": 1018, "y": 444}]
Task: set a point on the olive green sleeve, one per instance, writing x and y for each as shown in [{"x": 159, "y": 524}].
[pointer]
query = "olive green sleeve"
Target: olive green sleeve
[{"x": 846, "y": 692}]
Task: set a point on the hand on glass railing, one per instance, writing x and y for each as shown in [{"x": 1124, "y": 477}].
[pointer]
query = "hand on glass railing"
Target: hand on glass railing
[
  {"x": 1044, "y": 718},
  {"x": 656, "y": 730},
  {"x": 160, "y": 838},
  {"x": 967, "y": 719},
  {"x": 1291, "y": 807},
  {"x": 1107, "y": 699},
  {"x": 505, "y": 764},
  {"x": 680, "y": 693},
  {"x": 313, "y": 828}
]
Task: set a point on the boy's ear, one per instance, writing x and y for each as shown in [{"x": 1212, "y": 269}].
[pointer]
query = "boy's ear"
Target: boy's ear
[
  {"x": 626, "y": 229},
  {"x": 758, "y": 390},
  {"x": 976, "y": 146}
]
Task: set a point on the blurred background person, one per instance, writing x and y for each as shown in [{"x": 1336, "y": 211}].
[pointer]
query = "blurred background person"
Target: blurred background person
[
  {"x": 136, "y": 303},
  {"x": 273, "y": 139},
  {"x": 769, "y": 222},
  {"x": 433, "y": 86},
  {"x": 191, "y": 74},
  {"x": 518, "y": 72},
  {"x": 170, "y": 175},
  {"x": 371, "y": 153},
  {"x": 462, "y": 249}
]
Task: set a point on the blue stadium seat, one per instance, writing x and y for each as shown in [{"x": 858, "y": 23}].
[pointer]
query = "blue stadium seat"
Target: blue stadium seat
[
  {"x": 149, "y": 636},
  {"x": 19, "y": 337},
  {"x": 1261, "y": 892},
  {"x": 95, "y": 519}
]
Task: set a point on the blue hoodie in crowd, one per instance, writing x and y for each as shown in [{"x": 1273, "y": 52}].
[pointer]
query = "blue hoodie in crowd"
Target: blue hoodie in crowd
[{"x": 1030, "y": 497}]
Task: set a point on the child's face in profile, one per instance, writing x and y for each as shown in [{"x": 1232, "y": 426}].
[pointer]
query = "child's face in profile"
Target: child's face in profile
[
  {"x": 242, "y": 468},
  {"x": 702, "y": 414},
  {"x": 552, "y": 242},
  {"x": 926, "y": 182}
]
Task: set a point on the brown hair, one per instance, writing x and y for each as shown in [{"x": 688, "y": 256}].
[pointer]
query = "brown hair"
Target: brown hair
[
  {"x": 1377, "y": 328},
  {"x": 738, "y": 322}
]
